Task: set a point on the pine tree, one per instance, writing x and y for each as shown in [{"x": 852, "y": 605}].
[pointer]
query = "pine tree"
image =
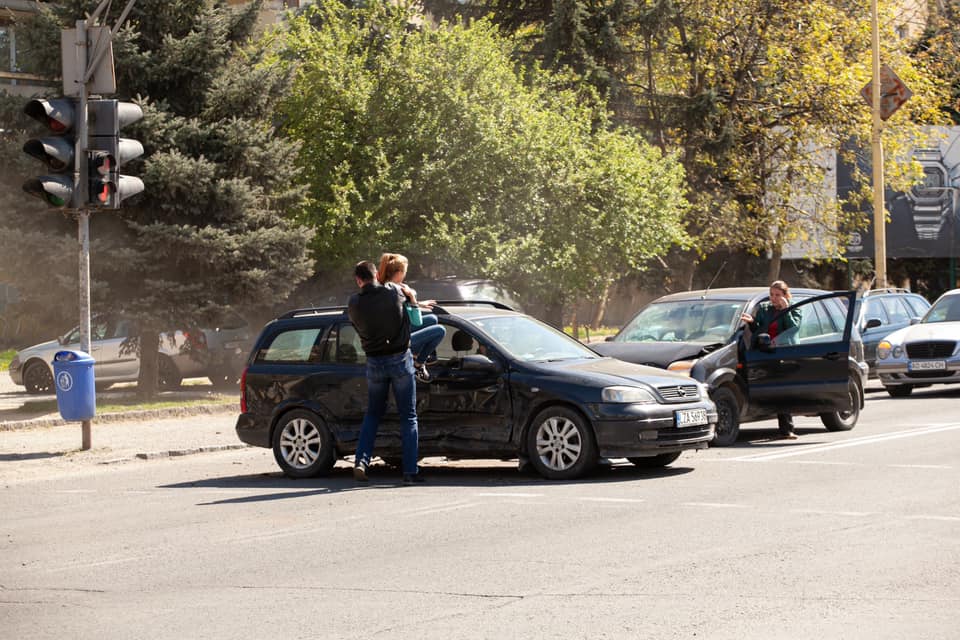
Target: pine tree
[{"x": 214, "y": 229}]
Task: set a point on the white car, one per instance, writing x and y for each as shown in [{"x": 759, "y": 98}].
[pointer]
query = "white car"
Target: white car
[
  {"x": 925, "y": 353},
  {"x": 183, "y": 354}
]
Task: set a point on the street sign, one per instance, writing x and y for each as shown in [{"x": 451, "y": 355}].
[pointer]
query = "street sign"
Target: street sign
[{"x": 893, "y": 93}]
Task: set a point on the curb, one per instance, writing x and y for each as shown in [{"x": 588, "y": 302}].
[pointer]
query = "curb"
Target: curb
[
  {"x": 173, "y": 453},
  {"x": 123, "y": 416}
]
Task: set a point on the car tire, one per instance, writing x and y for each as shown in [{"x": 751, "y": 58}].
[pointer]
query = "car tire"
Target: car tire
[
  {"x": 655, "y": 462},
  {"x": 560, "y": 444},
  {"x": 168, "y": 376},
  {"x": 728, "y": 417},
  {"x": 37, "y": 378},
  {"x": 900, "y": 390},
  {"x": 302, "y": 445},
  {"x": 844, "y": 420}
]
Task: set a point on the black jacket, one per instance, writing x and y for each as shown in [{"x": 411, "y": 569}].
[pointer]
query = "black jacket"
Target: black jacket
[{"x": 377, "y": 314}]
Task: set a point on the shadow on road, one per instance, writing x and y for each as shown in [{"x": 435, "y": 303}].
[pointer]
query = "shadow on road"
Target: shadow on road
[{"x": 276, "y": 486}]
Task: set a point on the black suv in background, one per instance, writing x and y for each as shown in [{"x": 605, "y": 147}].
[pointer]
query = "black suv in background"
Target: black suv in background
[
  {"x": 880, "y": 312},
  {"x": 814, "y": 369},
  {"x": 504, "y": 385}
]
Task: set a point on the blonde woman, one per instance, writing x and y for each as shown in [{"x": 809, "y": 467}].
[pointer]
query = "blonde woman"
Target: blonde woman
[{"x": 425, "y": 338}]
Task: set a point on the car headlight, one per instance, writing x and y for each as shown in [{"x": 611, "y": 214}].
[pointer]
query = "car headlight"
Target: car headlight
[
  {"x": 628, "y": 395},
  {"x": 887, "y": 349},
  {"x": 682, "y": 366}
]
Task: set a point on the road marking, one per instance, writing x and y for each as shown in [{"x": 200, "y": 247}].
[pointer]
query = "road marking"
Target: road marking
[
  {"x": 921, "y": 466},
  {"x": 508, "y": 495},
  {"x": 853, "y": 442},
  {"x": 716, "y": 505},
  {"x": 939, "y": 518},
  {"x": 828, "y": 462},
  {"x": 452, "y": 507},
  {"x": 88, "y": 565},
  {"x": 629, "y": 500}
]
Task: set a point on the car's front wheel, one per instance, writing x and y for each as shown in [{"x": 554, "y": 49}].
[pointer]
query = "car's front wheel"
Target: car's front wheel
[
  {"x": 728, "y": 417},
  {"x": 38, "y": 378},
  {"x": 560, "y": 444},
  {"x": 302, "y": 445},
  {"x": 845, "y": 420},
  {"x": 655, "y": 462},
  {"x": 900, "y": 390}
]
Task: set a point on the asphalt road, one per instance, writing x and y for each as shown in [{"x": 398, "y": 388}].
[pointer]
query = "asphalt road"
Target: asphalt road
[{"x": 834, "y": 535}]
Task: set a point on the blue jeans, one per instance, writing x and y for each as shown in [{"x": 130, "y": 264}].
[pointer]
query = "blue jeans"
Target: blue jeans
[
  {"x": 424, "y": 341},
  {"x": 383, "y": 372}
]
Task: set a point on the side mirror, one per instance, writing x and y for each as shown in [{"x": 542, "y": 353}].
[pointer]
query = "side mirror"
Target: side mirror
[
  {"x": 764, "y": 342},
  {"x": 872, "y": 322},
  {"x": 915, "y": 320},
  {"x": 478, "y": 362},
  {"x": 609, "y": 339}
]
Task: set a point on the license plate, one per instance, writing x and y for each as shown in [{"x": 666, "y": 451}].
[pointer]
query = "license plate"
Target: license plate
[
  {"x": 927, "y": 365},
  {"x": 691, "y": 417}
]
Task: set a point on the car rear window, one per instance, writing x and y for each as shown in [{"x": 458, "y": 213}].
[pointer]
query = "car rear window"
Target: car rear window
[{"x": 293, "y": 345}]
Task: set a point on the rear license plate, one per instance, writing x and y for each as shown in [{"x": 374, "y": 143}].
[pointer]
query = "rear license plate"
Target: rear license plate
[
  {"x": 691, "y": 417},
  {"x": 927, "y": 365}
]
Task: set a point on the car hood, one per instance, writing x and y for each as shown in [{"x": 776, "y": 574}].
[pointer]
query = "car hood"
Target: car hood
[
  {"x": 50, "y": 346},
  {"x": 925, "y": 332},
  {"x": 610, "y": 371},
  {"x": 657, "y": 354}
]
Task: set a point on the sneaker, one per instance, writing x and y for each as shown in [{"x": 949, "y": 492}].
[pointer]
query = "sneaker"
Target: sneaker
[
  {"x": 421, "y": 372},
  {"x": 788, "y": 436},
  {"x": 360, "y": 472},
  {"x": 413, "y": 478}
]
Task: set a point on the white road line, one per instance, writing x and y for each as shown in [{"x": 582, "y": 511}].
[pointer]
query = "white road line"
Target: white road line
[
  {"x": 938, "y": 518},
  {"x": 628, "y": 500},
  {"x": 88, "y": 565},
  {"x": 432, "y": 508},
  {"x": 828, "y": 462},
  {"x": 921, "y": 466},
  {"x": 853, "y": 442},
  {"x": 715, "y": 505},
  {"x": 820, "y": 512},
  {"x": 453, "y": 507}
]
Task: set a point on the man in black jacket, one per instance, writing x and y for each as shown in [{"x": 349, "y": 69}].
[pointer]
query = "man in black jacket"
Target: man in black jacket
[{"x": 377, "y": 314}]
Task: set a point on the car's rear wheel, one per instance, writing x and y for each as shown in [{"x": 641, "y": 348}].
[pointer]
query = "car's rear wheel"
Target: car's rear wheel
[
  {"x": 655, "y": 462},
  {"x": 900, "y": 390},
  {"x": 302, "y": 445},
  {"x": 728, "y": 417},
  {"x": 845, "y": 420},
  {"x": 168, "y": 376},
  {"x": 560, "y": 444},
  {"x": 38, "y": 378}
]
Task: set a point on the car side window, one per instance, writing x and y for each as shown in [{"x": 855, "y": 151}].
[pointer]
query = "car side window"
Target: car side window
[
  {"x": 342, "y": 345},
  {"x": 896, "y": 309},
  {"x": 918, "y": 306},
  {"x": 456, "y": 344},
  {"x": 293, "y": 345},
  {"x": 873, "y": 309}
]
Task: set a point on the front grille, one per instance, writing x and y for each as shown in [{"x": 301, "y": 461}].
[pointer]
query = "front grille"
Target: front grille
[
  {"x": 679, "y": 393},
  {"x": 930, "y": 374},
  {"x": 932, "y": 349}
]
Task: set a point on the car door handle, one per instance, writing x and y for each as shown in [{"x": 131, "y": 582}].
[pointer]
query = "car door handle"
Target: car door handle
[{"x": 833, "y": 355}]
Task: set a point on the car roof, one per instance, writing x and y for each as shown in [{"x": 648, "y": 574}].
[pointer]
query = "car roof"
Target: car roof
[
  {"x": 731, "y": 293},
  {"x": 468, "y": 309}
]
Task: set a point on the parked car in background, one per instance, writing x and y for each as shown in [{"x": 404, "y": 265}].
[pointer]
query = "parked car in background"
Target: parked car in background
[
  {"x": 925, "y": 353},
  {"x": 883, "y": 311},
  {"x": 818, "y": 369},
  {"x": 454, "y": 288},
  {"x": 216, "y": 353},
  {"x": 504, "y": 385}
]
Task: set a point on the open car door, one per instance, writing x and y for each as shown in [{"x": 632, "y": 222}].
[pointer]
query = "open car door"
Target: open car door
[{"x": 805, "y": 370}]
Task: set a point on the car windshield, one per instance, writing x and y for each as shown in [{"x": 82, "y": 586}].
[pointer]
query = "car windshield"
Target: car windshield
[
  {"x": 529, "y": 340},
  {"x": 683, "y": 321},
  {"x": 946, "y": 309}
]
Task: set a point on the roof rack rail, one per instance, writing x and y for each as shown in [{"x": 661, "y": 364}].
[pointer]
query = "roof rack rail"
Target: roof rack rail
[
  {"x": 887, "y": 290},
  {"x": 470, "y": 303},
  {"x": 310, "y": 311}
]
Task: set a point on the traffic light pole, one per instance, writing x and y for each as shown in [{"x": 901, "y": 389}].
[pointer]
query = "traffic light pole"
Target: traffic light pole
[{"x": 83, "y": 214}]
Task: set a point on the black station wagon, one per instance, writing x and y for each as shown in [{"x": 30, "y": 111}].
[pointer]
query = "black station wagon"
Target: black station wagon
[{"x": 503, "y": 385}]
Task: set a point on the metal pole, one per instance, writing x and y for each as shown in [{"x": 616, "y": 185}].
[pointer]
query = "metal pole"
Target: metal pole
[
  {"x": 83, "y": 216},
  {"x": 879, "y": 209}
]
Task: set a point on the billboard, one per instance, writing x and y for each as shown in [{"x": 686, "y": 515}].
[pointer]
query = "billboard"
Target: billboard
[{"x": 923, "y": 221}]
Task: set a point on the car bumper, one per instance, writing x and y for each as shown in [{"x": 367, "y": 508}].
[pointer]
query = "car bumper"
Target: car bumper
[
  {"x": 626, "y": 430},
  {"x": 16, "y": 375},
  {"x": 253, "y": 430},
  {"x": 897, "y": 373}
]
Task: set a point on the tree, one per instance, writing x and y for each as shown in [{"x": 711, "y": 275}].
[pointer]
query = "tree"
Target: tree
[
  {"x": 213, "y": 229},
  {"x": 431, "y": 142}
]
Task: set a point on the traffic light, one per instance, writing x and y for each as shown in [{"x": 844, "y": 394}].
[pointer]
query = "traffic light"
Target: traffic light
[
  {"x": 107, "y": 151},
  {"x": 56, "y": 151}
]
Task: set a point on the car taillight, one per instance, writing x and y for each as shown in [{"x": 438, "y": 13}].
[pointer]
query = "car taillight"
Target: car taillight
[
  {"x": 243, "y": 391},
  {"x": 196, "y": 339}
]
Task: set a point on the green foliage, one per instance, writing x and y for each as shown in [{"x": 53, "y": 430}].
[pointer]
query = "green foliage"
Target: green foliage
[{"x": 433, "y": 143}]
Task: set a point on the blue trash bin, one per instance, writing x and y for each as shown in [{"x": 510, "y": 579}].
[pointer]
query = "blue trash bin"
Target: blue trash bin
[{"x": 76, "y": 390}]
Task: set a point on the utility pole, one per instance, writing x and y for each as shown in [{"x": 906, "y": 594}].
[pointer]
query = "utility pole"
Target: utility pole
[{"x": 879, "y": 208}]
